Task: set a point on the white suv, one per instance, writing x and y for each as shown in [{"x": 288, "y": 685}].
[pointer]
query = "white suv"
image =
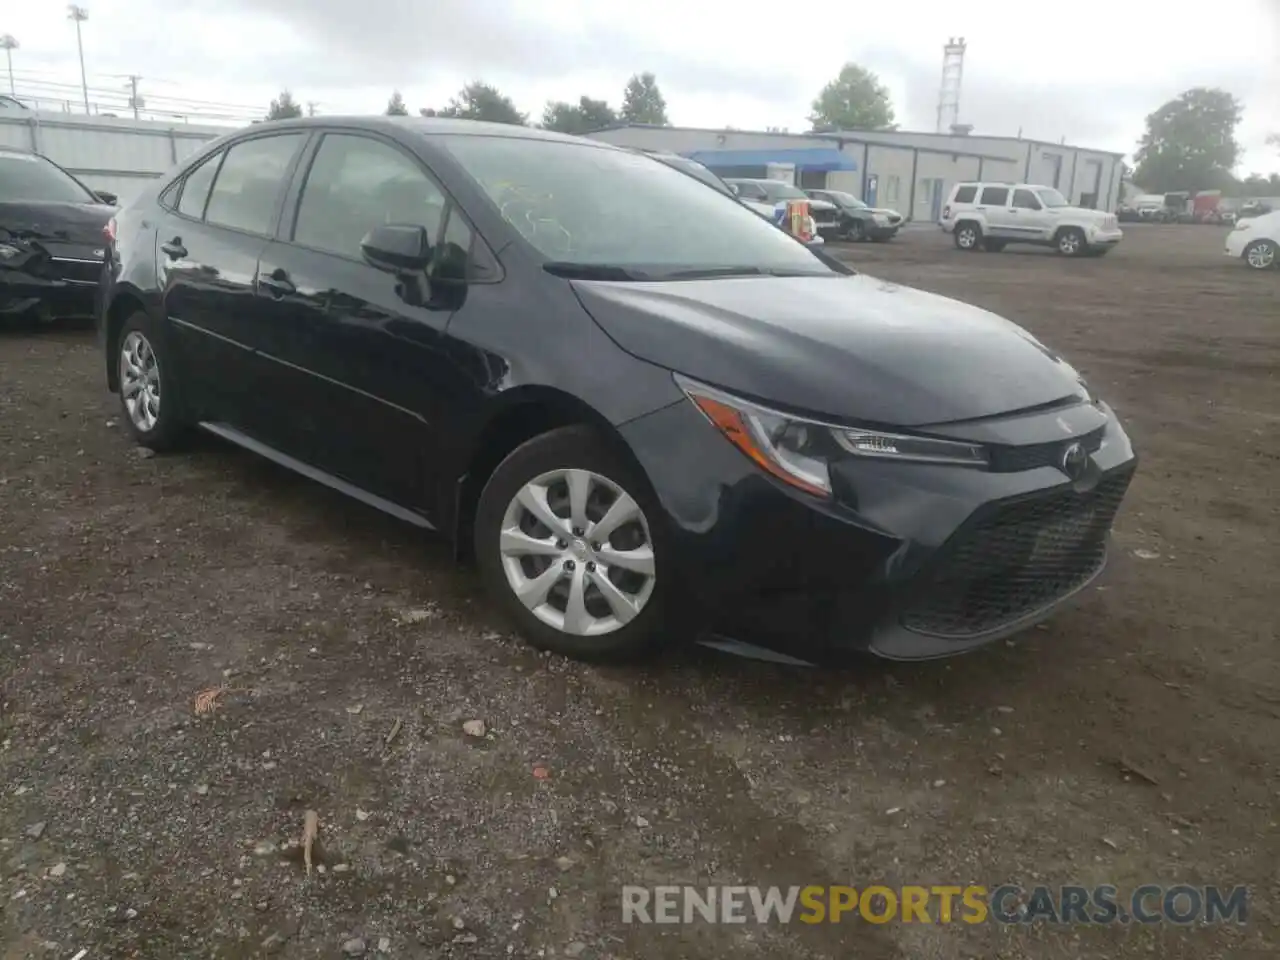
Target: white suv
[{"x": 987, "y": 216}]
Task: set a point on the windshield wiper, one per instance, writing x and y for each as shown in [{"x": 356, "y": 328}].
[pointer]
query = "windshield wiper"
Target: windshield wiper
[
  {"x": 593, "y": 271},
  {"x": 709, "y": 272}
]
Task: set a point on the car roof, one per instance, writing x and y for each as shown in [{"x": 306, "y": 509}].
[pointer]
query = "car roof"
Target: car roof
[
  {"x": 431, "y": 125},
  {"x": 17, "y": 152}
]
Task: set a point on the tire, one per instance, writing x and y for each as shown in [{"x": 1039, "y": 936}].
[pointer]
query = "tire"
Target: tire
[
  {"x": 993, "y": 246},
  {"x": 513, "y": 547},
  {"x": 1261, "y": 255},
  {"x": 150, "y": 396},
  {"x": 1071, "y": 242},
  {"x": 968, "y": 236},
  {"x": 854, "y": 233}
]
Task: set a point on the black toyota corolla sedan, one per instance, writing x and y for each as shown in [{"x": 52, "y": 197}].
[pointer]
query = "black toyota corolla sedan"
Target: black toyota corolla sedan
[
  {"x": 644, "y": 411},
  {"x": 51, "y": 241}
]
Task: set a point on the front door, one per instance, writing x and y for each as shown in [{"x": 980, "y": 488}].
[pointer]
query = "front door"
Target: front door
[
  {"x": 356, "y": 357},
  {"x": 208, "y": 244},
  {"x": 1027, "y": 216}
]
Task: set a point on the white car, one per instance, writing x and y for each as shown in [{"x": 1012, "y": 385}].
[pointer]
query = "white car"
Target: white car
[
  {"x": 989, "y": 216},
  {"x": 1256, "y": 240}
]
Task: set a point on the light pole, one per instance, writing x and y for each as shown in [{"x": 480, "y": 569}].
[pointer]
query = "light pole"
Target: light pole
[
  {"x": 80, "y": 15},
  {"x": 9, "y": 44}
]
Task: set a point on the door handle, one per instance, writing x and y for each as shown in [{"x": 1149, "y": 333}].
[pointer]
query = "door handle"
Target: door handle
[
  {"x": 174, "y": 248},
  {"x": 277, "y": 284}
]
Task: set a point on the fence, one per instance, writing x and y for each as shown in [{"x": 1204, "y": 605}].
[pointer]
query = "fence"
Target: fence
[{"x": 107, "y": 153}]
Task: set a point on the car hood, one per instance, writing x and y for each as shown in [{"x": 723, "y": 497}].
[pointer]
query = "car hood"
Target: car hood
[
  {"x": 850, "y": 348},
  {"x": 78, "y": 223},
  {"x": 1082, "y": 213}
]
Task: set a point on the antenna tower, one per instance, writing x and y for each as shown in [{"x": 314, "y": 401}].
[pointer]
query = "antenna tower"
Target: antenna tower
[{"x": 949, "y": 91}]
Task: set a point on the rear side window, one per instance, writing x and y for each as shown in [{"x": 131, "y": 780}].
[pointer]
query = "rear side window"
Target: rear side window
[
  {"x": 995, "y": 196},
  {"x": 250, "y": 181},
  {"x": 357, "y": 183},
  {"x": 195, "y": 190},
  {"x": 965, "y": 194}
]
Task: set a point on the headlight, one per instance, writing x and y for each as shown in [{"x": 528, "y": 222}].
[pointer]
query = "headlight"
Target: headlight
[
  {"x": 798, "y": 451},
  {"x": 880, "y": 218},
  {"x": 8, "y": 251}
]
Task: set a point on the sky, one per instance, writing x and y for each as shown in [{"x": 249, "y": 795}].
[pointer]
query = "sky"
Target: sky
[{"x": 1089, "y": 72}]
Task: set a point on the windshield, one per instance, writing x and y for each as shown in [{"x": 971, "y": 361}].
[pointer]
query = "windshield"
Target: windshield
[
  {"x": 595, "y": 206},
  {"x": 846, "y": 199},
  {"x": 29, "y": 177},
  {"x": 782, "y": 191},
  {"x": 1051, "y": 198}
]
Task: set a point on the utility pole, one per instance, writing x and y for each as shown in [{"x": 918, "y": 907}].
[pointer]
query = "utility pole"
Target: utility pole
[
  {"x": 311, "y": 108},
  {"x": 135, "y": 101},
  {"x": 9, "y": 44},
  {"x": 80, "y": 15}
]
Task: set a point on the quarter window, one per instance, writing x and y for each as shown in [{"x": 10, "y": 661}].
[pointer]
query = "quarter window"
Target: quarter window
[
  {"x": 357, "y": 183},
  {"x": 1025, "y": 200},
  {"x": 249, "y": 183},
  {"x": 195, "y": 189},
  {"x": 965, "y": 194},
  {"x": 995, "y": 196}
]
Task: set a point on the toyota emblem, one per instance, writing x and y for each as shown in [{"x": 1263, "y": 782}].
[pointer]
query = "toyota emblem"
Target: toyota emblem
[{"x": 1074, "y": 461}]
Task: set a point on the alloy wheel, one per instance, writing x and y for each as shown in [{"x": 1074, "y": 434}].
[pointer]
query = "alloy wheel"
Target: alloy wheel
[
  {"x": 1069, "y": 243},
  {"x": 577, "y": 552},
  {"x": 140, "y": 381},
  {"x": 1262, "y": 256},
  {"x": 967, "y": 238}
]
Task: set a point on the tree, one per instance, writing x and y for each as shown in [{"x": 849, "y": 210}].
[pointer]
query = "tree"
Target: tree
[
  {"x": 642, "y": 101},
  {"x": 1190, "y": 143},
  {"x": 854, "y": 100},
  {"x": 284, "y": 107},
  {"x": 480, "y": 101},
  {"x": 583, "y": 117},
  {"x": 1273, "y": 140},
  {"x": 395, "y": 106}
]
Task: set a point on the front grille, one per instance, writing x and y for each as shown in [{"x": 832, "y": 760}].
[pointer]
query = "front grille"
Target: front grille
[
  {"x": 1015, "y": 558},
  {"x": 83, "y": 271},
  {"x": 1032, "y": 456}
]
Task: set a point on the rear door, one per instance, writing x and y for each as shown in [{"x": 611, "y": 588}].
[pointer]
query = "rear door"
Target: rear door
[
  {"x": 207, "y": 248},
  {"x": 993, "y": 202}
]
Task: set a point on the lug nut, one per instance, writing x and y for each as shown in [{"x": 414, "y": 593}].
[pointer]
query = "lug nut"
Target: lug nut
[
  {"x": 561, "y": 544},
  {"x": 577, "y": 531},
  {"x": 568, "y": 565},
  {"x": 591, "y": 567},
  {"x": 594, "y": 545}
]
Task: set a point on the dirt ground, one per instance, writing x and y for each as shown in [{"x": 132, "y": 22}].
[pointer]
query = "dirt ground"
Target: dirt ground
[{"x": 352, "y": 653}]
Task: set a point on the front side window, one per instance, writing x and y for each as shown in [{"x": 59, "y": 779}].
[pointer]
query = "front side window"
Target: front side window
[
  {"x": 995, "y": 196},
  {"x": 357, "y": 183},
  {"x": 1052, "y": 198},
  {"x": 597, "y": 206},
  {"x": 195, "y": 191},
  {"x": 250, "y": 181},
  {"x": 26, "y": 176},
  {"x": 1025, "y": 200},
  {"x": 846, "y": 200}
]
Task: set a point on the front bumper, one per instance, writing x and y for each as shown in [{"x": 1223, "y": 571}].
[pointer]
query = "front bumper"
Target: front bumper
[
  {"x": 1236, "y": 242},
  {"x": 1105, "y": 238},
  {"x": 23, "y": 295},
  {"x": 915, "y": 561}
]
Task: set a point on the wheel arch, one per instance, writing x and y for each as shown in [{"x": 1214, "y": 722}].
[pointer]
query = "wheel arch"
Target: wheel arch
[
  {"x": 125, "y": 302},
  {"x": 524, "y": 413}
]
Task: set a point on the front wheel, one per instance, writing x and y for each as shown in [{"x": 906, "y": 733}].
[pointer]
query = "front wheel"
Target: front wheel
[
  {"x": 1261, "y": 255},
  {"x": 1071, "y": 242},
  {"x": 149, "y": 394},
  {"x": 854, "y": 232},
  {"x": 568, "y": 541}
]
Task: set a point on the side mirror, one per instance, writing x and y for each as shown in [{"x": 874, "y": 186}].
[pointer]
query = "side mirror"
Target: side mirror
[
  {"x": 107, "y": 197},
  {"x": 397, "y": 248}
]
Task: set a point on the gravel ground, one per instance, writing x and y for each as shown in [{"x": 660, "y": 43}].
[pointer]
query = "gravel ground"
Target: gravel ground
[{"x": 350, "y": 654}]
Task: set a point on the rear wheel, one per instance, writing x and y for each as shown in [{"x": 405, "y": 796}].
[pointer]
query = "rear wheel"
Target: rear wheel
[
  {"x": 1071, "y": 242},
  {"x": 1261, "y": 255},
  {"x": 149, "y": 393},
  {"x": 567, "y": 539},
  {"x": 968, "y": 236}
]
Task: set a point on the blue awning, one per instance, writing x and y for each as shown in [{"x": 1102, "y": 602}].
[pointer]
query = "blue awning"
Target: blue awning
[{"x": 811, "y": 158}]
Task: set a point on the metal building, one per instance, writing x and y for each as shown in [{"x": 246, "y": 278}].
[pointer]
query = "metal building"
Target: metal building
[
  {"x": 106, "y": 153},
  {"x": 910, "y": 172}
]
